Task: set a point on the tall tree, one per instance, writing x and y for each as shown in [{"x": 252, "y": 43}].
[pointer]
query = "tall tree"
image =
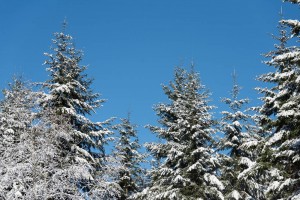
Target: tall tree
[
  {"x": 71, "y": 99},
  {"x": 281, "y": 114},
  {"x": 189, "y": 168},
  {"x": 239, "y": 132},
  {"x": 69, "y": 90}
]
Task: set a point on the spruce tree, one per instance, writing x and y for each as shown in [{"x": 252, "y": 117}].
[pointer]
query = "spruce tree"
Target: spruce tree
[
  {"x": 240, "y": 135},
  {"x": 69, "y": 100},
  {"x": 15, "y": 120},
  {"x": 293, "y": 1},
  {"x": 188, "y": 168},
  {"x": 128, "y": 158},
  {"x": 70, "y": 93},
  {"x": 57, "y": 167},
  {"x": 39, "y": 159},
  {"x": 16, "y": 114},
  {"x": 281, "y": 115}
]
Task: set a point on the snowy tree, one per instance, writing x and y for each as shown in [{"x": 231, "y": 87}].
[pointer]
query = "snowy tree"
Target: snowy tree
[
  {"x": 293, "y": 1},
  {"x": 55, "y": 167},
  {"x": 63, "y": 166},
  {"x": 15, "y": 114},
  {"x": 70, "y": 94},
  {"x": 15, "y": 120},
  {"x": 39, "y": 159},
  {"x": 69, "y": 100},
  {"x": 240, "y": 135},
  {"x": 188, "y": 169},
  {"x": 45, "y": 164},
  {"x": 280, "y": 113},
  {"x": 128, "y": 159}
]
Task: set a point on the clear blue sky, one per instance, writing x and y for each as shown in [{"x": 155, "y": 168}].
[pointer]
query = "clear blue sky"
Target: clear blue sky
[{"x": 132, "y": 47}]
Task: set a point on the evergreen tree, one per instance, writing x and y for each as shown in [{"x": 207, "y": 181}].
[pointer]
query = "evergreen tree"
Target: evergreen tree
[
  {"x": 70, "y": 93},
  {"x": 15, "y": 120},
  {"x": 70, "y": 100},
  {"x": 280, "y": 113},
  {"x": 240, "y": 134},
  {"x": 189, "y": 168},
  {"x": 56, "y": 166},
  {"x": 293, "y": 1},
  {"x": 39, "y": 159},
  {"x": 126, "y": 152},
  {"x": 16, "y": 114}
]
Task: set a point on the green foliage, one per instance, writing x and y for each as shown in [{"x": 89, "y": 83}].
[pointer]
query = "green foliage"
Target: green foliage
[
  {"x": 280, "y": 155},
  {"x": 126, "y": 152},
  {"x": 188, "y": 167}
]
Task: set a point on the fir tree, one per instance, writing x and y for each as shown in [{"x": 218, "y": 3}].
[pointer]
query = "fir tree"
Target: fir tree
[
  {"x": 15, "y": 121},
  {"x": 188, "y": 169},
  {"x": 16, "y": 114},
  {"x": 70, "y": 100},
  {"x": 128, "y": 158},
  {"x": 281, "y": 116},
  {"x": 39, "y": 158},
  {"x": 57, "y": 167},
  {"x": 240, "y": 135},
  {"x": 68, "y": 86},
  {"x": 69, "y": 91},
  {"x": 292, "y": 1}
]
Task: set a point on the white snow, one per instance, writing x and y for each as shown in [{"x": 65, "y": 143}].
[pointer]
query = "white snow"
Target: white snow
[
  {"x": 276, "y": 137},
  {"x": 213, "y": 180},
  {"x": 196, "y": 165},
  {"x": 9, "y": 131},
  {"x": 286, "y": 113},
  {"x": 249, "y": 144},
  {"x": 286, "y": 183},
  {"x": 294, "y": 56},
  {"x": 18, "y": 195},
  {"x": 83, "y": 152},
  {"x": 178, "y": 179},
  {"x": 276, "y": 173},
  {"x": 246, "y": 161},
  {"x": 273, "y": 186},
  {"x": 296, "y": 197},
  {"x": 236, "y": 195},
  {"x": 236, "y": 123}
]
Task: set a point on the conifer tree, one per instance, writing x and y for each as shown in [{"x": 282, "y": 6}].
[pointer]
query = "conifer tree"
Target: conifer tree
[
  {"x": 16, "y": 114},
  {"x": 70, "y": 99},
  {"x": 39, "y": 159},
  {"x": 70, "y": 94},
  {"x": 240, "y": 135},
  {"x": 281, "y": 115},
  {"x": 126, "y": 153},
  {"x": 293, "y": 1},
  {"x": 56, "y": 166},
  {"x": 15, "y": 120},
  {"x": 189, "y": 168}
]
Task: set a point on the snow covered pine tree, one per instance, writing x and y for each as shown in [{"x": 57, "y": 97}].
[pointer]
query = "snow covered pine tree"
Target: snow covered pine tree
[
  {"x": 240, "y": 135},
  {"x": 70, "y": 99},
  {"x": 189, "y": 168},
  {"x": 282, "y": 115},
  {"x": 128, "y": 159},
  {"x": 36, "y": 162},
  {"x": 15, "y": 121}
]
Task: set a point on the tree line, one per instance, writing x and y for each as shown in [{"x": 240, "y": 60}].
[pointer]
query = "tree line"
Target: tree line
[{"x": 51, "y": 149}]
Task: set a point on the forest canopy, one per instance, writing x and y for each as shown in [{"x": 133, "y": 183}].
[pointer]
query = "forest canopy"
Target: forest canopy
[{"x": 51, "y": 147}]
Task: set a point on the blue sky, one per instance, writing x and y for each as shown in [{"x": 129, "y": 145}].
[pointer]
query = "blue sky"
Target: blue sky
[{"x": 132, "y": 47}]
